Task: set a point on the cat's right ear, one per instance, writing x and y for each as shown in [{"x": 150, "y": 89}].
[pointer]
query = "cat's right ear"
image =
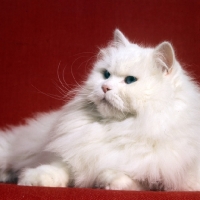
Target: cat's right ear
[
  {"x": 119, "y": 38},
  {"x": 165, "y": 56}
]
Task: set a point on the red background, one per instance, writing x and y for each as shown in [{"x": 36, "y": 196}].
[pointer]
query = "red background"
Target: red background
[{"x": 37, "y": 35}]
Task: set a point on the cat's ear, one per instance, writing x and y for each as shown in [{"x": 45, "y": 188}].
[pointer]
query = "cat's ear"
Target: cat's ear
[
  {"x": 165, "y": 57},
  {"x": 119, "y": 38}
]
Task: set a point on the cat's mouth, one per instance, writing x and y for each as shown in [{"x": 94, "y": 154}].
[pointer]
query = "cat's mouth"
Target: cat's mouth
[
  {"x": 110, "y": 104},
  {"x": 110, "y": 109},
  {"x": 104, "y": 100},
  {"x": 106, "y": 103}
]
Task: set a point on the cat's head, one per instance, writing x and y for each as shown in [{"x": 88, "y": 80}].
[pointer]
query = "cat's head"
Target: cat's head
[{"x": 127, "y": 77}]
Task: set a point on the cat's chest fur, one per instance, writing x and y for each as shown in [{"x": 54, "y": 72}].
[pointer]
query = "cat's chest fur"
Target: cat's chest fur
[{"x": 131, "y": 145}]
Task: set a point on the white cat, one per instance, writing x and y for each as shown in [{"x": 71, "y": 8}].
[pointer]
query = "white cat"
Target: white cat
[{"x": 133, "y": 125}]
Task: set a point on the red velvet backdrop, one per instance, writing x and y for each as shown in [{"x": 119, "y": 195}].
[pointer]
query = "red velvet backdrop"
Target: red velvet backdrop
[{"x": 38, "y": 35}]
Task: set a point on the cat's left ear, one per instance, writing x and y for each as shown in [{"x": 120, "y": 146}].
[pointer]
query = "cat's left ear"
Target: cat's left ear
[
  {"x": 165, "y": 56},
  {"x": 119, "y": 38}
]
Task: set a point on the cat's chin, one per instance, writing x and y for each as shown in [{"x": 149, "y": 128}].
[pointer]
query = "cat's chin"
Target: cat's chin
[{"x": 108, "y": 110}]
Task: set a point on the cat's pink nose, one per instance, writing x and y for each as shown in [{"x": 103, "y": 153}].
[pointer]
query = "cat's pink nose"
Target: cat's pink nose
[{"x": 105, "y": 88}]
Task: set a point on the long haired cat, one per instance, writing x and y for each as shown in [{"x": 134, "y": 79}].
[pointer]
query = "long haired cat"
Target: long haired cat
[{"x": 133, "y": 125}]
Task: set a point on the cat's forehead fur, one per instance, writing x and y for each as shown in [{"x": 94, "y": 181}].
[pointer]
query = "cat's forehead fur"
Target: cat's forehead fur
[{"x": 125, "y": 60}]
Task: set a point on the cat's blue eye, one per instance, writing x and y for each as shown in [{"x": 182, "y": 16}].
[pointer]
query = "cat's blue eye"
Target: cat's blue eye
[
  {"x": 130, "y": 79},
  {"x": 106, "y": 74}
]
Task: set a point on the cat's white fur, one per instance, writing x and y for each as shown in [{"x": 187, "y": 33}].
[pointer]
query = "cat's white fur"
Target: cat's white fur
[{"x": 138, "y": 136}]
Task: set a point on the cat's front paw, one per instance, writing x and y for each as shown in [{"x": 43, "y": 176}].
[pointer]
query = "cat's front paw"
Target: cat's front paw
[
  {"x": 44, "y": 175},
  {"x": 112, "y": 180}
]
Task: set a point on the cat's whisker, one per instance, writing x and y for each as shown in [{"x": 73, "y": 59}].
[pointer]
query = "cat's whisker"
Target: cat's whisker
[
  {"x": 87, "y": 63},
  {"x": 58, "y": 85},
  {"x": 58, "y": 76},
  {"x": 71, "y": 69},
  {"x": 65, "y": 88},
  {"x": 61, "y": 90},
  {"x": 66, "y": 85},
  {"x": 57, "y": 97},
  {"x": 62, "y": 81}
]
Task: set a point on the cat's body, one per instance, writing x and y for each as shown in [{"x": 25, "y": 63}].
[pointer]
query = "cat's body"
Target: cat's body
[{"x": 133, "y": 125}]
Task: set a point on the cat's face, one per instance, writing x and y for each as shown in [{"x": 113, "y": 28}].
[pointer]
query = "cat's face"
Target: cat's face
[{"x": 124, "y": 79}]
